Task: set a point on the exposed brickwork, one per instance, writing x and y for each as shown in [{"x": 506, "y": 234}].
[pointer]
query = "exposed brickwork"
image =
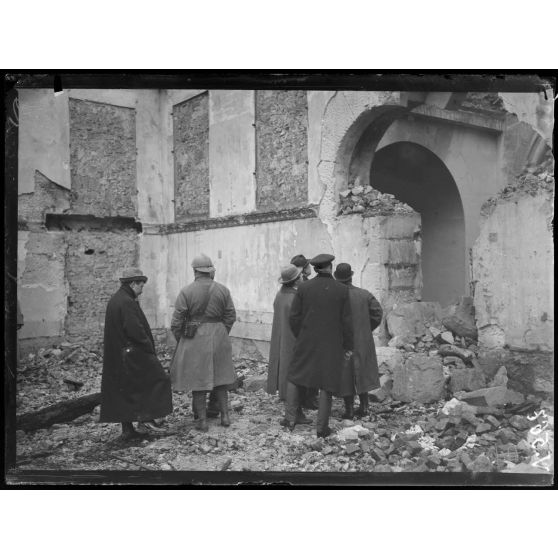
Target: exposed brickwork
[
  {"x": 191, "y": 158},
  {"x": 48, "y": 197},
  {"x": 93, "y": 263},
  {"x": 102, "y": 159},
  {"x": 281, "y": 149},
  {"x": 487, "y": 103}
]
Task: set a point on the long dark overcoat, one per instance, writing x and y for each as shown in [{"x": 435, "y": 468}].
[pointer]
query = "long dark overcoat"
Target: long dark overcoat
[
  {"x": 320, "y": 319},
  {"x": 205, "y": 361},
  {"x": 360, "y": 373},
  {"x": 282, "y": 342},
  {"x": 134, "y": 386}
]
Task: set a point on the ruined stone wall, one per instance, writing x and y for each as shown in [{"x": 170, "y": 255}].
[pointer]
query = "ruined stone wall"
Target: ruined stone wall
[
  {"x": 93, "y": 262},
  {"x": 102, "y": 159},
  {"x": 513, "y": 271},
  {"x": 281, "y": 149},
  {"x": 191, "y": 158}
]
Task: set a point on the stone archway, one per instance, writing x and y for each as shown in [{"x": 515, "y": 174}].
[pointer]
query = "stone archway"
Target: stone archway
[{"x": 416, "y": 176}]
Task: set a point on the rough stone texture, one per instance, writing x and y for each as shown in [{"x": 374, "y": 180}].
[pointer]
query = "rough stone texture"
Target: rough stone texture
[
  {"x": 93, "y": 263},
  {"x": 48, "y": 197},
  {"x": 466, "y": 379},
  {"x": 462, "y": 320},
  {"x": 421, "y": 379},
  {"x": 515, "y": 248},
  {"x": 281, "y": 149},
  {"x": 102, "y": 159},
  {"x": 191, "y": 158},
  {"x": 486, "y": 397},
  {"x": 413, "y": 319},
  {"x": 484, "y": 102}
]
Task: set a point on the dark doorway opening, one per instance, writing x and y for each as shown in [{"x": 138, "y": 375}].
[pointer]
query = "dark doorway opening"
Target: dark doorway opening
[{"x": 414, "y": 175}]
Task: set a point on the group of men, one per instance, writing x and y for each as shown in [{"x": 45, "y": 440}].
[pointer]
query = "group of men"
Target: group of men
[
  {"x": 321, "y": 346},
  {"x": 322, "y": 340}
]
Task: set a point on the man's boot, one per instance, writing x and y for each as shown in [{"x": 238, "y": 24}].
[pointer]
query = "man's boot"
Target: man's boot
[
  {"x": 349, "y": 410},
  {"x": 223, "y": 400},
  {"x": 198, "y": 398},
  {"x": 363, "y": 409},
  {"x": 324, "y": 410},
  {"x": 213, "y": 408},
  {"x": 301, "y": 418}
]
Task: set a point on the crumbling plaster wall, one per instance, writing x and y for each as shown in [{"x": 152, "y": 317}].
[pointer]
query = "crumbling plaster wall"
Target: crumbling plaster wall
[{"x": 513, "y": 271}]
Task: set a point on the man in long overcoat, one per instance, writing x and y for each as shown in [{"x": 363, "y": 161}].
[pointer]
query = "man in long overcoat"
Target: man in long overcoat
[
  {"x": 308, "y": 396},
  {"x": 134, "y": 385},
  {"x": 204, "y": 362},
  {"x": 282, "y": 338},
  {"x": 320, "y": 320},
  {"x": 360, "y": 374}
]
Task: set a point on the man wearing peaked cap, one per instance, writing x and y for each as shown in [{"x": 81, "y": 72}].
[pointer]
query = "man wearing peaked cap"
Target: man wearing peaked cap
[
  {"x": 134, "y": 386},
  {"x": 360, "y": 373},
  {"x": 203, "y": 358},
  {"x": 320, "y": 319}
]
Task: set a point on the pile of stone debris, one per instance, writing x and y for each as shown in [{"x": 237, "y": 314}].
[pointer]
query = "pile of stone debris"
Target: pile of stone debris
[{"x": 366, "y": 200}]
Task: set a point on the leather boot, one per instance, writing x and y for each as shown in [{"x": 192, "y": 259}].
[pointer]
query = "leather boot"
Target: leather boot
[
  {"x": 201, "y": 410},
  {"x": 363, "y": 408},
  {"x": 213, "y": 404},
  {"x": 223, "y": 400},
  {"x": 349, "y": 410}
]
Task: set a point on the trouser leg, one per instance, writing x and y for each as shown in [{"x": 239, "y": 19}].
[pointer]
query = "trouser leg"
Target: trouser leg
[
  {"x": 222, "y": 396},
  {"x": 199, "y": 401},
  {"x": 324, "y": 410},
  {"x": 292, "y": 403},
  {"x": 363, "y": 406},
  {"x": 349, "y": 409},
  {"x": 213, "y": 408},
  {"x": 128, "y": 428}
]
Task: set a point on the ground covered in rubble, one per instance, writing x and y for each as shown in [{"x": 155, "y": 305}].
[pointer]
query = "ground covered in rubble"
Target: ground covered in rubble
[{"x": 396, "y": 437}]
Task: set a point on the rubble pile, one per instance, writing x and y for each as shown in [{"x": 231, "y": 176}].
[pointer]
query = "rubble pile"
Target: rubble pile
[{"x": 366, "y": 200}]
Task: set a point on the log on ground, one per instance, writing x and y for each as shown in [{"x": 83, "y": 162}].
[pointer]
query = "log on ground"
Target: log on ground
[{"x": 65, "y": 411}]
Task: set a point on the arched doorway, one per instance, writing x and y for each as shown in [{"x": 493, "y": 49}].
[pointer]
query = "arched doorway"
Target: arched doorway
[{"x": 414, "y": 175}]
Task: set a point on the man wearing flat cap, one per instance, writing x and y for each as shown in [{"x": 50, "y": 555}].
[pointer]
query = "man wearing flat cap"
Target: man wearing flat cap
[
  {"x": 134, "y": 387},
  {"x": 203, "y": 316},
  {"x": 320, "y": 319},
  {"x": 360, "y": 375},
  {"x": 282, "y": 338}
]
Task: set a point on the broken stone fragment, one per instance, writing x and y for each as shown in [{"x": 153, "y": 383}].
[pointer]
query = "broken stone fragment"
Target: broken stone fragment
[
  {"x": 456, "y": 408},
  {"x": 344, "y": 193},
  {"x": 255, "y": 383},
  {"x": 487, "y": 397},
  {"x": 351, "y": 448},
  {"x": 447, "y": 337},
  {"x": 420, "y": 379},
  {"x": 348, "y": 434},
  {"x": 481, "y": 464},
  {"x": 410, "y": 318},
  {"x": 451, "y": 350},
  {"x": 501, "y": 378},
  {"x": 493, "y": 421},
  {"x": 483, "y": 427},
  {"x": 466, "y": 379},
  {"x": 520, "y": 422}
]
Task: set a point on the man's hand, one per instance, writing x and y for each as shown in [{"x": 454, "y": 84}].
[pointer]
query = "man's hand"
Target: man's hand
[{"x": 348, "y": 355}]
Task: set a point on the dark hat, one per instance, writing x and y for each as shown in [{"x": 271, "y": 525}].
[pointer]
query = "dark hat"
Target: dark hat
[
  {"x": 289, "y": 273},
  {"x": 203, "y": 263},
  {"x": 132, "y": 274},
  {"x": 322, "y": 260},
  {"x": 343, "y": 272},
  {"x": 300, "y": 261}
]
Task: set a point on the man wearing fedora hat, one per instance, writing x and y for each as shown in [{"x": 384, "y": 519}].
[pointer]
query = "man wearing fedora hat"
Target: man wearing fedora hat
[
  {"x": 360, "y": 373},
  {"x": 134, "y": 385},
  {"x": 282, "y": 338},
  {"x": 203, "y": 363},
  {"x": 320, "y": 319}
]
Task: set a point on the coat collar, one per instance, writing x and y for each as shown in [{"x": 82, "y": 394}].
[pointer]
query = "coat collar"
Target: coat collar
[
  {"x": 321, "y": 275},
  {"x": 128, "y": 290}
]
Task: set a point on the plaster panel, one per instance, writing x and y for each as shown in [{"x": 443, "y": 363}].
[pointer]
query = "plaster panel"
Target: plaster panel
[
  {"x": 534, "y": 109},
  {"x": 317, "y": 101},
  {"x": 232, "y": 152},
  {"x": 43, "y": 138},
  {"x": 42, "y": 288},
  {"x": 513, "y": 267}
]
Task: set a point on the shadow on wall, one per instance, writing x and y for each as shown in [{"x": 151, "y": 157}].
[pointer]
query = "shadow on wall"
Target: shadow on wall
[{"x": 417, "y": 177}]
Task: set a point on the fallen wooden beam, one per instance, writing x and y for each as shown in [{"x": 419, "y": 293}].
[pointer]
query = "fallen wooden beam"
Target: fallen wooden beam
[{"x": 65, "y": 411}]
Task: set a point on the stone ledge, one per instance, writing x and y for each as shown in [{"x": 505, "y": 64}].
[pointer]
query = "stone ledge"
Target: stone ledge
[{"x": 246, "y": 219}]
